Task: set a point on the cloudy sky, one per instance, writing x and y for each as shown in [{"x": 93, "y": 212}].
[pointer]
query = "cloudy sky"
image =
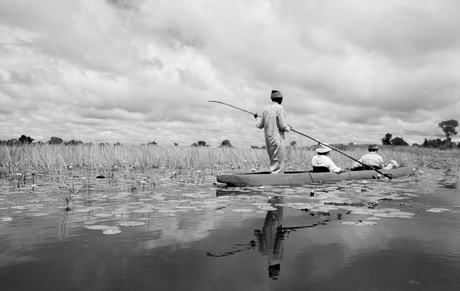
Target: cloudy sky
[{"x": 135, "y": 71}]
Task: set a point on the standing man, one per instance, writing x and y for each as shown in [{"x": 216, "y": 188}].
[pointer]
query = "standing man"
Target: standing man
[{"x": 273, "y": 121}]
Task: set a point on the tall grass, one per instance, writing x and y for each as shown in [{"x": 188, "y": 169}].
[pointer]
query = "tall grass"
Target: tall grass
[{"x": 59, "y": 158}]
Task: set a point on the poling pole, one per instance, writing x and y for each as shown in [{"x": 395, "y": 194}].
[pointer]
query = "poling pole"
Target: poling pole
[{"x": 319, "y": 142}]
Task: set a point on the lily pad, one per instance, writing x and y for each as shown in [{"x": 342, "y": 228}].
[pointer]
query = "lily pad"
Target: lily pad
[
  {"x": 359, "y": 223},
  {"x": 268, "y": 208},
  {"x": 438, "y": 209},
  {"x": 132, "y": 223},
  {"x": 102, "y": 215},
  {"x": 185, "y": 207},
  {"x": 167, "y": 211},
  {"x": 383, "y": 214},
  {"x": 111, "y": 231},
  {"x": 97, "y": 227},
  {"x": 83, "y": 210},
  {"x": 402, "y": 213},
  {"x": 243, "y": 210},
  {"x": 196, "y": 195},
  {"x": 38, "y": 214}
]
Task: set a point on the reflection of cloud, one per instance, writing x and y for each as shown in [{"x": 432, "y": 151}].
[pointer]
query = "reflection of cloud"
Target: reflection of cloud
[
  {"x": 172, "y": 233},
  {"x": 19, "y": 243},
  {"x": 7, "y": 260},
  {"x": 175, "y": 231},
  {"x": 132, "y": 63}
]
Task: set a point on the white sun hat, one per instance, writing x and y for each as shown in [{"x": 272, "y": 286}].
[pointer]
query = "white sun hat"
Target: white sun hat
[{"x": 323, "y": 149}]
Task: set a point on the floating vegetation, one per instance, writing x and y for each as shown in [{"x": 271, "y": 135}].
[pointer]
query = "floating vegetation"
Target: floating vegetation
[
  {"x": 261, "y": 204},
  {"x": 38, "y": 214},
  {"x": 267, "y": 208},
  {"x": 97, "y": 227},
  {"x": 359, "y": 223},
  {"x": 438, "y": 209},
  {"x": 111, "y": 231},
  {"x": 102, "y": 215},
  {"x": 132, "y": 223},
  {"x": 129, "y": 197},
  {"x": 196, "y": 195},
  {"x": 106, "y": 229},
  {"x": 402, "y": 213},
  {"x": 82, "y": 210},
  {"x": 243, "y": 210},
  {"x": 167, "y": 211}
]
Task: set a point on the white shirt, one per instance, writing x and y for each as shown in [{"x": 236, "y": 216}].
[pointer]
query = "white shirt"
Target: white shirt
[
  {"x": 324, "y": 161},
  {"x": 371, "y": 159}
]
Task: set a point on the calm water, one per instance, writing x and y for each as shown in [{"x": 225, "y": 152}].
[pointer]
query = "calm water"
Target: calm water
[{"x": 201, "y": 237}]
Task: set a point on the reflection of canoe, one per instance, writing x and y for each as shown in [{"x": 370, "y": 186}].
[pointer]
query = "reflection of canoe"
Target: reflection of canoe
[{"x": 305, "y": 177}]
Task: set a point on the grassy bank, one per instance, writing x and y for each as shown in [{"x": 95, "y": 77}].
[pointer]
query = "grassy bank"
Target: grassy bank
[{"x": 57, "y": 159}]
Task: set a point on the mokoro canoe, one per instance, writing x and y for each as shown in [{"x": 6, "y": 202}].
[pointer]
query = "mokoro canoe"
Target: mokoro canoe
[{"x": 306, "y": 177}]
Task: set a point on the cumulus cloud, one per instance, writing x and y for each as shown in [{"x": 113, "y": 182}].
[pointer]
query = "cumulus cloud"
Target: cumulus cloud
[{"x": 142, "y": 70}]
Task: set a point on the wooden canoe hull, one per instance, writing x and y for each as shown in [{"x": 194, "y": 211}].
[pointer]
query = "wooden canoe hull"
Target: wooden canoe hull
[{"x": 305, "y": 177}]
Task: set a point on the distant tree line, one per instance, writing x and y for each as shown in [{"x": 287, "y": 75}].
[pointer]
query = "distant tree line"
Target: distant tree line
[
  {"x": 200, "y": 143},
  {"x": 24, "y": 140},
  {"x": 225, "y": 144},
  {"x": 396, "y": 141},
  {"x": 448, "y": 127}
]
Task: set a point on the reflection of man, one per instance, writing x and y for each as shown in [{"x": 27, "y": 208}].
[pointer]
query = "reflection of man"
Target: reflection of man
[{"x": 270, "y": 239}]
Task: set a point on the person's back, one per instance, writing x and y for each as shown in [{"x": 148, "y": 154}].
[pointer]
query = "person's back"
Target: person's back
[
  {"x": 371, "y": 159},
  {"x": 273, "y": 120},
  {"x": 321, "y": 161}
]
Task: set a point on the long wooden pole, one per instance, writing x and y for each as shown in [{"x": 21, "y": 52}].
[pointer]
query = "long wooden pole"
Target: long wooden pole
[
  {"x": 324, "y": 144},
  {"x": 232, "y": 106}
]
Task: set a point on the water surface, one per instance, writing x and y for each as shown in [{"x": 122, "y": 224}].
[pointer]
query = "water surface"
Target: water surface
[{"x": 402, "y": 234}]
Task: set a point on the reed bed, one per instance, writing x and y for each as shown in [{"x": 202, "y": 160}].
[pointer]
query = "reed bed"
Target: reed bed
[{"x": 59, "y": 159}]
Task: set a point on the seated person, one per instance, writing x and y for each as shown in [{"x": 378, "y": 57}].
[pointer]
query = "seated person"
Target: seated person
[
  {"x": 322, "y": 163},
  {"x": 371, "y": 159}
]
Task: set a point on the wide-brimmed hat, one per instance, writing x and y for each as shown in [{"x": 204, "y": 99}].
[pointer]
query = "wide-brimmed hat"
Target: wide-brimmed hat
[
  {"x": 373, "y": 147},
  {"x": 323, "y": 149}
]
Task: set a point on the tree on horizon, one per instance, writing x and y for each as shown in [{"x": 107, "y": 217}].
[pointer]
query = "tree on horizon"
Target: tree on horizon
[
  {"x": 26, "y": 139},
  {"x": 226, "y": 143},
  {"x": 387, "y": 139},
  {"x": 448, "y": 127},
  {"x": 398, "y": 141}
]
